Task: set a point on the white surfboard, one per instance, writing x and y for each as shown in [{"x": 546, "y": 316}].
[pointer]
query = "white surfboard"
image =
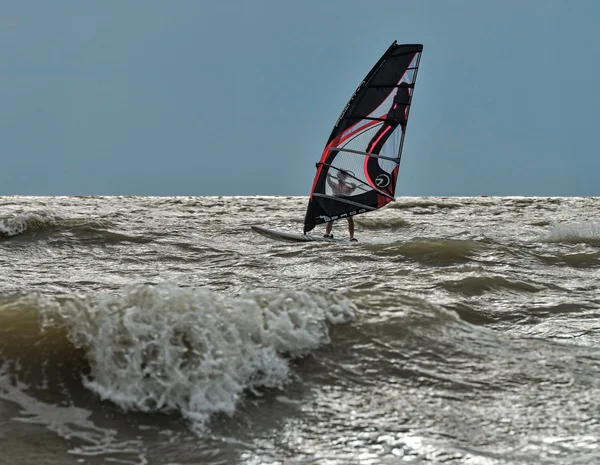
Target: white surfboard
[{"x": 293, "y": 237}]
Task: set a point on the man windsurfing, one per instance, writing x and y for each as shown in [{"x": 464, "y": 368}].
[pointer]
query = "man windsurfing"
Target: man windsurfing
[{"x": 341, "y": 187}]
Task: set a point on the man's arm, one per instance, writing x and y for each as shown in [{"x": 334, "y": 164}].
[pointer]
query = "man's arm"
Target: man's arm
[{"x": 330, "y": 182}]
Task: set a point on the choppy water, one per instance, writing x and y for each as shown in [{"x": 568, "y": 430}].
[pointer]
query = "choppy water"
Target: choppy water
[{"x": 163, "y": 331}]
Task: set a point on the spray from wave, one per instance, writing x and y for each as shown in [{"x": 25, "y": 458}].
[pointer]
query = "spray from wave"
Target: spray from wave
[
  {"x": 587, "y": 233},
  {"x": 26, "y": 222}
]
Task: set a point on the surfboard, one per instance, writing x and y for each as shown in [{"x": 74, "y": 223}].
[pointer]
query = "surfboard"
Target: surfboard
[{"x": 293, "y": 237}]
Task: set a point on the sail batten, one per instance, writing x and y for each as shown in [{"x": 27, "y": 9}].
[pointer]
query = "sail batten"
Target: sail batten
[
  {"x": 366, "y": 142},
  {"x": 359, "y": 152},
  {"x": 366, "y": 118}
]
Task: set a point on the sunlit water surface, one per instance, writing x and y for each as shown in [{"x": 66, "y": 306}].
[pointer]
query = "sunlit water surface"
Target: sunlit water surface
[{"x": 139, "y": 330}]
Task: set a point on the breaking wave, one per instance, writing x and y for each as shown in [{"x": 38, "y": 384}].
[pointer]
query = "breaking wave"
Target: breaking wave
[
  {"x": 585, "y": 233},
  {"x": 165, "y": 348},
  {"x": 26, "y": 225},
  {"x": 26, "y": 222}
]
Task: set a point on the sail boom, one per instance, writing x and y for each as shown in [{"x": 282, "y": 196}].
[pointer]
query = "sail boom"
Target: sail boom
[
  {"x": 350, "y": 202},
  {"x": 367, "y": 154}
]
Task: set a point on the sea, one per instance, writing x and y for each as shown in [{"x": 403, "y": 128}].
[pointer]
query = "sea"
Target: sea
[{"x": 163, "y": 330}]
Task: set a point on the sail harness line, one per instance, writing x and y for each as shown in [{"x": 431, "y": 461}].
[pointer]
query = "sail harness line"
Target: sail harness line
[
  {"x": 372, "y": 155},
  {"x": 359, "y": 180},
  {"x": 356, "y": 204}
]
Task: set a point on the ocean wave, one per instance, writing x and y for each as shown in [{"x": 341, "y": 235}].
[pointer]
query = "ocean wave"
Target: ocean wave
[
  {"x": 95, "y": 232},
  {"x": 86, "y": 229},
  {"x": 26, "y": 222},
  {"x": 165, "y": 348},
  {"x": 579, "y": 260},
  {"x": 433, "y": 251},
  {"x": 574, "y": 233},
  {"x": 383, "y": 223},
  {"x": 424, "y": 202},
  {"x": 477, "y": 285},
  {"x": 70, "y": 423}
]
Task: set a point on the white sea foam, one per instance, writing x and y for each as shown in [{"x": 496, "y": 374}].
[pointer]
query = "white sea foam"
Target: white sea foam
[
  {"x": 195, "y": 351},
  {"x": 574, "y": 232},
  {"x": 22, "y": 222}
]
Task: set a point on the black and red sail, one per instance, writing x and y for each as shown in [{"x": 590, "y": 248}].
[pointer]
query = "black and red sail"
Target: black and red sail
[{"x": 358, "y": 170}]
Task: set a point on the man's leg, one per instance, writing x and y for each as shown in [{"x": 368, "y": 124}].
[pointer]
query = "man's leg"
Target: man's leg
[{"x": 351, "y": 226}]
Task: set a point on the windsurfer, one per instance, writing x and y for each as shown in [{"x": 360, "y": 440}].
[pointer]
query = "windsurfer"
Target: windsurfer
[{"x": 341, "y": 186}]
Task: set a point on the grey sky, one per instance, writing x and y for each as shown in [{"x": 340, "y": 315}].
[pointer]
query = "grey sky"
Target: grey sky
[{"x": 194, "y": 97}]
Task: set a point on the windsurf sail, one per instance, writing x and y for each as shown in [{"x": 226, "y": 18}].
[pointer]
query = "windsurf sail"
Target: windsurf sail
[{"x": 358, "y": 169}]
